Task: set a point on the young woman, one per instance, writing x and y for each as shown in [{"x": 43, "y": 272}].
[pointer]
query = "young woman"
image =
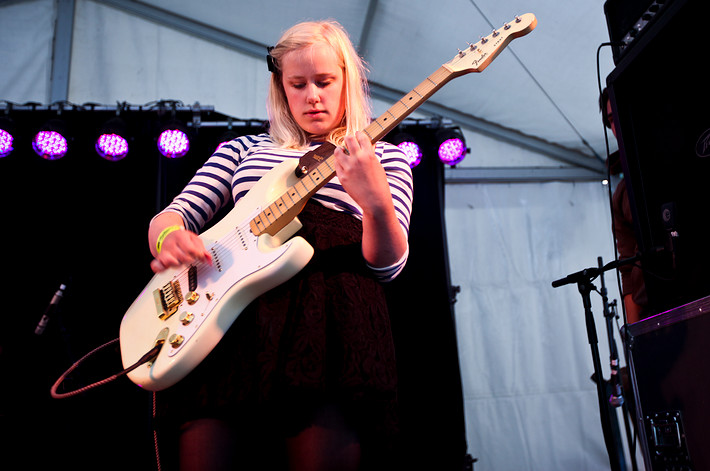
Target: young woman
[{"x": 307, "y": 371}]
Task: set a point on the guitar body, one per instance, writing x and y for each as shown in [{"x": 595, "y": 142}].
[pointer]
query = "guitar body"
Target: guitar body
[{"x": 190, "y": 308}]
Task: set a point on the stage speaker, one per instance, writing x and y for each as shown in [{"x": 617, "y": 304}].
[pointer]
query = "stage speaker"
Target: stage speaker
[
  {"x": 627, "y": 20},
  {"x": 670, "y": 361},
  {"x": 660, "y": 102}
]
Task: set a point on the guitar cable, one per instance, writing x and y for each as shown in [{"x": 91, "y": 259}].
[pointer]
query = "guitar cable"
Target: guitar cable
[{"x": 150, "y": 355}]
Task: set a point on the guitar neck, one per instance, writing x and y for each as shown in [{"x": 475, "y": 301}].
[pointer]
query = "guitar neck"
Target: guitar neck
[
  {"x": 380, "y": 127},
  {"x": 272, "y": 219}
]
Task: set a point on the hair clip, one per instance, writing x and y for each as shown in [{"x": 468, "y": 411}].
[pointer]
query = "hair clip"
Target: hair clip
[{"x": 270, "y": 61}]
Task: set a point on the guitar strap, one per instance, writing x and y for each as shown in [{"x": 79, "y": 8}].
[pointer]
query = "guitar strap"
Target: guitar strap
[{"x": 313, "y": 158}]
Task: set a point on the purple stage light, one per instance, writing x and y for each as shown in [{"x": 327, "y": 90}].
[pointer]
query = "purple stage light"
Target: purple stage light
[
  {"x": 412, "y": 151},
  {"x": 452, "y": 151},
  {"x": 409, "y": 146},
  {"x": 50, "y": 145},
  {"x": 112, "y": 147},
  {"x": 173, "y": 143},
  {"x": 5, "y": 143},
  {"x": 452, "y": 145}
]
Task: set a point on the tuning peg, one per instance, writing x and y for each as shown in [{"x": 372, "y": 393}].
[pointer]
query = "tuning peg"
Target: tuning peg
[
  {"x": 484, "y": 40},
  {"x": 495, "y": 33}
]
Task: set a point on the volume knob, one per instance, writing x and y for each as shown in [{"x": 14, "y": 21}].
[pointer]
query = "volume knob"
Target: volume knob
[
  {"x": 186, "y": 317},
  {"x": 176, "y": 339}
]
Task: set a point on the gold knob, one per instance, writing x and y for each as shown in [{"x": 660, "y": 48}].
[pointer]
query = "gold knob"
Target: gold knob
[
  {"x": 186, "y": 317},
  {"x": 192, "y": 298},
  {"x": 176, "y": 339}
]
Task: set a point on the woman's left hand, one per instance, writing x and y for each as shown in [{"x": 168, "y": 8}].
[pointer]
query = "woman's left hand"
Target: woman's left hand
[{"x": 362, "y": 175}]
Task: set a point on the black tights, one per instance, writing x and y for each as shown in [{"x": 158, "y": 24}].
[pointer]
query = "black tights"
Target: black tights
[{"x": 326, "y": 444}]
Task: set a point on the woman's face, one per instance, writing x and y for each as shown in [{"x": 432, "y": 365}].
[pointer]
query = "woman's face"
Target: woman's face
[{"x": 314, "y": 84}]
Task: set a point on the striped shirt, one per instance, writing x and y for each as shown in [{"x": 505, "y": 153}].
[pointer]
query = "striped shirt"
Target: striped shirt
[{"x": 236, "y": 166}]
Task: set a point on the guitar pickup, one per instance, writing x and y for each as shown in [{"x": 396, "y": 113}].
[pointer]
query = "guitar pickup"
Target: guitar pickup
[
  {"x": 192, "y": 296},
  {"x": 192, "y": 278},
  {"x": 168, "y": 299}
]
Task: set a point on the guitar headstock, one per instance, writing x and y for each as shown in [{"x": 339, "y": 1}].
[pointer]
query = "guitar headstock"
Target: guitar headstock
[{"x": 477, "y": 56}]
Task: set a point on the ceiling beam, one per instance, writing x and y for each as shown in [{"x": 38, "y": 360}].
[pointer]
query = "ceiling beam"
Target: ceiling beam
[
  {"x": 186, "y": 25},
  {"x": 363, "y": 43},
  {"x": 5, "y": 3},
  {"x": 61, "y": 51},
  {"x": 467, "y": 175}
]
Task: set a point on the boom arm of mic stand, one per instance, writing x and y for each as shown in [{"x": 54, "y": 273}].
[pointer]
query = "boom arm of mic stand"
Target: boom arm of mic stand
[{"x": 593, "y": 272}]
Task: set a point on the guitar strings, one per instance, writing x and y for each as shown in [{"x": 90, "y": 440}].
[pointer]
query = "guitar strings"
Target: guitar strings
[{"x": 237, "y": 236}]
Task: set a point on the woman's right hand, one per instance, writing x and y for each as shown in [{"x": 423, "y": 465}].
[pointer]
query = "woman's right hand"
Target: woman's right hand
[{"x": 179, "y": 247}]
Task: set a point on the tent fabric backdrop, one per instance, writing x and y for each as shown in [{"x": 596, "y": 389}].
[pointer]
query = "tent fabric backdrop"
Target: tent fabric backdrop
[
  {"x": 524, "y": 356},
  {"x": 26, "y": 31}
]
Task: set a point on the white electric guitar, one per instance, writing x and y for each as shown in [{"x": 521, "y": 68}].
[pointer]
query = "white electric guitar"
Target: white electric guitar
[{"x": 188, "y": 310}]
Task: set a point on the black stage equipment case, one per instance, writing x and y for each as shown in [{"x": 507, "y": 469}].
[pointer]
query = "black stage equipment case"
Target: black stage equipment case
[{"x": 669, "y": 359}]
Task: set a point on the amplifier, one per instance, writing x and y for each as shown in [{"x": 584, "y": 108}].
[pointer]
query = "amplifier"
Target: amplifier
[
  {"x": 627, "y": 20},
  {"x": 660, "y": 100}
]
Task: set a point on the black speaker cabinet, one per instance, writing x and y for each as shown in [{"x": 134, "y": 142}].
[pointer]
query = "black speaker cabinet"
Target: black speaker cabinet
[
  {"x": 660, "y": 99},
  {"x": 670, "y": 364}
]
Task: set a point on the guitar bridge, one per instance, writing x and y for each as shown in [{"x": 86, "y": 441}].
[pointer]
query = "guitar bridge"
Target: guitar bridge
[{"x": 168, "y": 299}]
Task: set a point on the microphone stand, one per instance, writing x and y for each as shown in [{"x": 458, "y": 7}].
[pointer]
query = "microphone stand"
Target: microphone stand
[
  {"x": 616, "y": 395},
  {"x": 610, "y": 428}
]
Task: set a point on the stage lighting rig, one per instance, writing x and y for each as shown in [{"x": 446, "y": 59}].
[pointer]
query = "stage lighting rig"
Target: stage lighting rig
[
  {"x": 7, "y": 136},
  {"x": 51, "y": 141},
  {"x": 409, "y": 146},
  {"x": 452, "y": 145},
  {"x": 173, "y": 140},
  {"x": 112, "y": 141}
]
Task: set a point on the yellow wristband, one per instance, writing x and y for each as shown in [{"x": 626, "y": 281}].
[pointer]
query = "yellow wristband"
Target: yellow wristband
[{"x": 164, "y": 234}]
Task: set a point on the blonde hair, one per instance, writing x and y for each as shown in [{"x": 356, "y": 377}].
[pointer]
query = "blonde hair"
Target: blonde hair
[{"x": 283, "y": 127}]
